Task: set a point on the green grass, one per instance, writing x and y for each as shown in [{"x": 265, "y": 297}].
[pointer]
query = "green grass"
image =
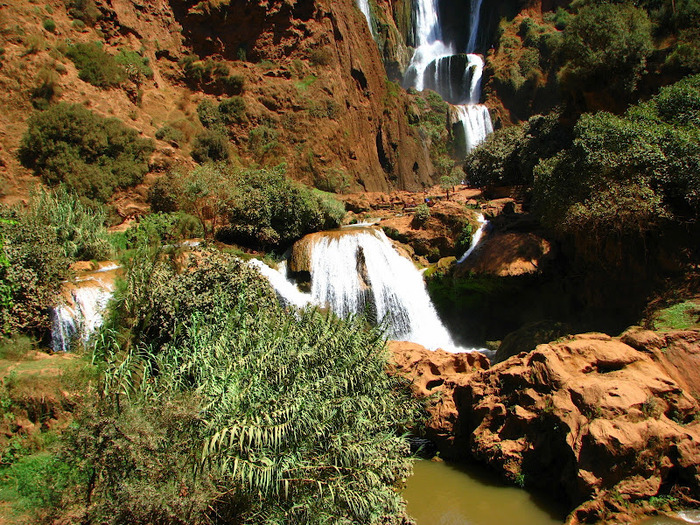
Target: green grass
[
  {"x": 681, "y": 316},
  {"x": 305, "y": 83}
]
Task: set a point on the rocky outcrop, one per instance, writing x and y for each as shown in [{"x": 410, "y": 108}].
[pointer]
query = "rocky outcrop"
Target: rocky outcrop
[
  {"x": 602, "y": 423},
  {"x": 436, "y": 373}
]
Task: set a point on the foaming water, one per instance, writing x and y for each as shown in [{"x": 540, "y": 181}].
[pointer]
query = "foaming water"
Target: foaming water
[
  {"x": 359, "y": 272},
  {"x": 285, "y": 288}
]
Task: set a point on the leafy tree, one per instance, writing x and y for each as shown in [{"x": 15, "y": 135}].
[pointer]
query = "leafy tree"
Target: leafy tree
[
  {"x": 90, "y": 154},
  {"x": 606, "y": 47},
  {"x": 34, "y": 267}
]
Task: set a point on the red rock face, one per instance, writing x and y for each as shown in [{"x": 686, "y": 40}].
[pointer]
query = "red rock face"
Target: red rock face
[{"x": 597, "y": 421}]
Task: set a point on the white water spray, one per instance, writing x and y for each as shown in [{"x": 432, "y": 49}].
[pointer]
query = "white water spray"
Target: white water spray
[
  {"x": 286, "y": 289},
  {"x": 81, "y": 316}
]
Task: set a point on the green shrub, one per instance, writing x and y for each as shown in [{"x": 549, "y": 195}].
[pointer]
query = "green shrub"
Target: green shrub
[
  {"x": 232, "y": 110},
  {"x": 135, "y": 65},
  {"x": 78, "y": 25},
  {"x": 157, "y": 229},
  {"x": 46, "y": 90},
  {"x": 35, "y": 266},
  {"x": 49, "y": 25},
  {"x": 233, "y": 84},
  {"x": 90, "y": 154},
  {"x": 267, "y": 209},
  {"x": 606, "y": 47},
  {"x": 84, "y": 10},
  {"x": 421, "y": 215},
  {"x": 210, "y": 146},
  {"x": 78, "y": 229},
  {"x": 170, "y": 134},
  {"x": 228, "y": 111},
  {"x": 262, "y": 140},
  {"x": 95, "y": 65},
  {"x": 208, "y": 114}
]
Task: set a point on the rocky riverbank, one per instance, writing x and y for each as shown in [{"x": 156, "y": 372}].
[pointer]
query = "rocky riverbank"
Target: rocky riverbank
[{"x": 607, "y": 424}]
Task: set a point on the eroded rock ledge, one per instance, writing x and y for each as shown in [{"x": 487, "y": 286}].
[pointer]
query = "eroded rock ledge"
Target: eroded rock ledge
[{"x": 602, "y": 423}]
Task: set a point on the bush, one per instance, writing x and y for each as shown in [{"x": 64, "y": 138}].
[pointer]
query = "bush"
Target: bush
[
  {"x": 625, "y": 175},
  {"x": 78, "y": 229},
  {"x": 157, "y": 229},
  {"x": 229, "y": 111},
  {"x": 95, "y": 65},
  {"x": 421, "y": 215},
  {"x": 49, "y": 25},
  {"x": 84, "y": 10},
  {"x": 170, "y": 134},
  {"x": 35, "y": 267},
  {"x": 136, "y": 66},
  {"x": 606, "y": 47},
  {"x": 210, "y": 146},
  {"x": 90, "y": 154},
  {"x": 267, "y": 209},
  {"x": 47, "y": 89},
  {"x": 262, "y": 140}
]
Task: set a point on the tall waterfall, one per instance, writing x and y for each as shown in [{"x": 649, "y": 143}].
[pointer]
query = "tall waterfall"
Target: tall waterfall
[
  {"x": 433, "y": 66},
  {"x": 360, "y": 272}
]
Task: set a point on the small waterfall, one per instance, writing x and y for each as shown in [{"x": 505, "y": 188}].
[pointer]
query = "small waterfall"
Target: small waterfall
[
  {"x": 80, "y": 315},
  {"x": 475, "y": 239},
  {"x": 474, "y": 16},
  {"x": 476, "y": 122},
  {"x": 286, "y": 289},
  {"x": 360, "y": 272},
  {"x": 432, "y": 67},
  {"x": 365, "y": 8}
]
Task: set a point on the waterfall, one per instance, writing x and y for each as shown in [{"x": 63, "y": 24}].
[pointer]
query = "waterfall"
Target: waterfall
[
  {"x": 474, "y": 15},
  {"x": 364, "y": 7},
  {"x": 80, "y": 314},
  {"x": 286, "y": 289},
  {"x": 475, "y": 239},
  {"x": 432, "y": 66},
  {"x": 360, "y": 272}
]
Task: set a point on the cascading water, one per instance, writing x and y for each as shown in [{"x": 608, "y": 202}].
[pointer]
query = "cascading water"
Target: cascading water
[
  {"x": 364, "y": 7},
  {"x": 433, "y": 64},
  {"x": 475, "y": 239},
  {"x": 80, "y": 315},
  {"x": 286, "y": 289},
  {"x": 360, "y": 272}
]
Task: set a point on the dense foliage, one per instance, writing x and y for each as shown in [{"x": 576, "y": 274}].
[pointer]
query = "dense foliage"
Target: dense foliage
[
  {"x": 254, "y": 207},
  {"x": 90, "y": 154},
  {"x": 34, "y": 266},
  {"x": 38, "y": 245},
  {"x": 626, "y": 174},
  {"x": 219, "y": 407}
]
